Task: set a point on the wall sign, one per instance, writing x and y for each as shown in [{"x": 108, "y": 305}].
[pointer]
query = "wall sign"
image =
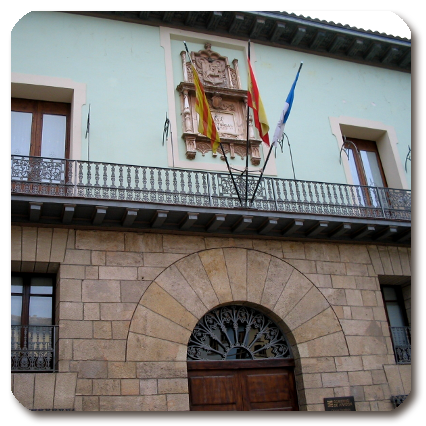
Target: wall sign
[{"x": 342, "y": 403}]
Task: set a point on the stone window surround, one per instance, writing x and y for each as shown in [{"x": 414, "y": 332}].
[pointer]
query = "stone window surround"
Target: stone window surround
[
  {"x": 166, "y": 35},
  {"x": 55, "y": 89},
  {"x": 386, "y": 140}
]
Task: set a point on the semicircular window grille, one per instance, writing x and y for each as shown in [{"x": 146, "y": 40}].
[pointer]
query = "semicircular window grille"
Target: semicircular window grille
[{"x": 236, "y": 333}]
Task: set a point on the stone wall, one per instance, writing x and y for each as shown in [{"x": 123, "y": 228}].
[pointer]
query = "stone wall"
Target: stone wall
[
  {"x": 128, "y": 302},
  {"x": 45, "y": 391}
]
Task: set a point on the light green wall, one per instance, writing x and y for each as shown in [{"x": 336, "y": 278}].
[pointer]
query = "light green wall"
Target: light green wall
[
  {"x": 124, "y": 69},
  {"x": 328, "y": 87},
  {"x": 123, "y": 66}
]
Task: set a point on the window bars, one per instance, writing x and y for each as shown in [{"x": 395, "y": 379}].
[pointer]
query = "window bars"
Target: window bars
[
  {"x": 236, "y": 333},
  {"x": 33, "y": 348},
  {"x": 401, "y": 338}
]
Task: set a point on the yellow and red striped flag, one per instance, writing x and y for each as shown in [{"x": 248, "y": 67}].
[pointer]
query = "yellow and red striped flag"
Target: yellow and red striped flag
[
  {"x": 255, "y": 102},
  {"x": 206, "y": 124}
]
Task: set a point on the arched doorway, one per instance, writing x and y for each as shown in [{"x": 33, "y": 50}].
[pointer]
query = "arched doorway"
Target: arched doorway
[{"x": 239, "y": 360}]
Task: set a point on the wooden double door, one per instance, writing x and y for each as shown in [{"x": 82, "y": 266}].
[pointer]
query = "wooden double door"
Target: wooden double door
[{"x": 242, "y": 385}]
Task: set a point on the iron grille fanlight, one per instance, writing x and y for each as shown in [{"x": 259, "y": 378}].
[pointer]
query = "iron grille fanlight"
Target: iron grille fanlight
[{"x": 236, "y": 333}]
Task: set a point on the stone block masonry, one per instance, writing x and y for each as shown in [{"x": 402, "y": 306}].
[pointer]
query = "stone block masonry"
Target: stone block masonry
[{"x": 126, "y": 305}]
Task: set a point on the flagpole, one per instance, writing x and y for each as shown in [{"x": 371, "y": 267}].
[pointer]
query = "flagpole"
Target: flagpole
[
  {"x": 247, "y": 143},
  {"x": 221, "y": 147},
  {"x": 230, "y": 172},
  {"x": 261, "y": 174}
]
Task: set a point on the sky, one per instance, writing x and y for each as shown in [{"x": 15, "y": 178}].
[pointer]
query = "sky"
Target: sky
[{"x": 383, "y": 21}]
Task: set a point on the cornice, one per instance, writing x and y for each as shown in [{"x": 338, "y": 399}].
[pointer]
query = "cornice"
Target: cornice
[{"x": 284, "y": 30}]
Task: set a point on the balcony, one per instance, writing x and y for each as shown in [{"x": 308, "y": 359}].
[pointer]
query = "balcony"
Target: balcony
[
  {"x": 33, "y": 348},
  {"x": 401, "y": 338},
  {"x": 82, "y": 193}
]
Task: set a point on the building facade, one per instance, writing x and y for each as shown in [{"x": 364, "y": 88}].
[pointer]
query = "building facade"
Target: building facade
[{"x": 141, "y": 281}]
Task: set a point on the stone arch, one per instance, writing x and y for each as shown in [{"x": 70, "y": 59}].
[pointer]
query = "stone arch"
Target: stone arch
[{"x": 174, "y": 302}]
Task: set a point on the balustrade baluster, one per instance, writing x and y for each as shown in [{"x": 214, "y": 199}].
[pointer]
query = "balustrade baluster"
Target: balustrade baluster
[
  {"x": 285, "y": 195},
  {"x": 175, "y": 188},
  {"x": 269, "y": 204},
  {"x": 160, "y": 186},
  {"x": 105, "y": 181},
  {"x": 113, "y": 187},
  {"x": 311, "y": 201},
  {"x": 323, "y": 196},
  {"x": 334, "y": 204},
  {"x": 359, "y": 199},
  {"x": 121, "y": 191},
  {"x": 97, "y": 174},
  {"x": 113, "y": 176},
  {"x": 182, "y": 183},
  {"x": 168, "y": 194},
  {"x": 69, "y": 178},
  {"x": 25, "y": 346},
  {"x": 80, "y": 179},
  {"x": 198, "y": 200},
  {"x": 97, "y": 190},
  {"x": 290, "y": 187},
  {"x": 137, "y": 189},
  {"x": 206, "y": 185},
  {"x": 88, "y": 183},
  {"x": 152, "y": 191},
  {"x": 137, "y": 178},
  {"x": 190, "y": 193},
  {"x": 129, "y": 192},
  {"x": 305, "y": 206},
  {"x": 327, "y": 206},
  {"x": 120, "y": 177},
  {"x": 340, "y": 203},
  {"x": 347, "y": 200},
  {"x": 277, "y": 183},
  {"x": 144, "y": 188},
  {"x": 214, "y": 195},
  {"x": 296, "y": 207}
]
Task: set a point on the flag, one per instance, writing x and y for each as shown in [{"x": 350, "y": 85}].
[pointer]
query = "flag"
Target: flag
[
  {"x": 286, "y": 111},
  {"x": 255, "y": 102},
  {"x": 206, "y": 124}
]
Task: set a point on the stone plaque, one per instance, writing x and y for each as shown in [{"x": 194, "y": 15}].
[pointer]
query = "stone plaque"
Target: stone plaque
[
  {"x": 225, "y": 123},
  {"x": 342, "y": 403}
]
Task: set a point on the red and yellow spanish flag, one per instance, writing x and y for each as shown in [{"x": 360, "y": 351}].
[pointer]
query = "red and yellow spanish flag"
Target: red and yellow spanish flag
[
  {"x": 206, "y": 124},
  {"x": 255, "y": 102}
]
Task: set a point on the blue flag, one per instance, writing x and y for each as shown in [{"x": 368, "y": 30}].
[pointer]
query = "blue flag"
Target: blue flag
[{"x": 286, "y": 111}]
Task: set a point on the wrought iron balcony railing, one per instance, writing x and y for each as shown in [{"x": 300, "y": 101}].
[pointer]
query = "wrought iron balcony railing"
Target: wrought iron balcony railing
[
  {"x": 108, "y": 181},
  {"x": 33, "y": 348},
  {"x": 401, "y": 338}
]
